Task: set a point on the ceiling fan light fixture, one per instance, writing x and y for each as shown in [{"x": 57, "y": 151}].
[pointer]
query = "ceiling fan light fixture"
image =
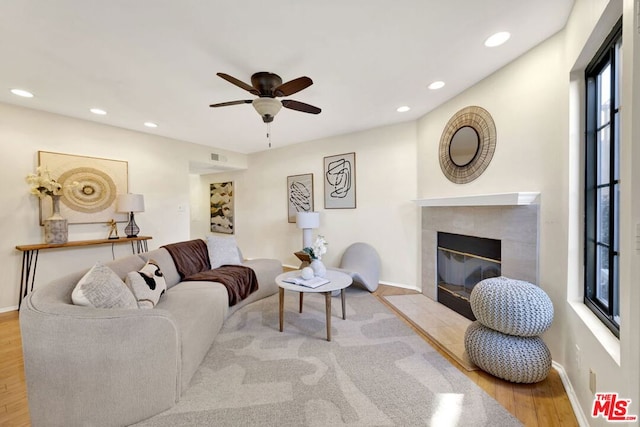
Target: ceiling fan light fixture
[{"x": 267, "y": 108}]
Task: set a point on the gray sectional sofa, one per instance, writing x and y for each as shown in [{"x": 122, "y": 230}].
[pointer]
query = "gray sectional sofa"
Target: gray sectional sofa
[{"x": 89, "y": 366}]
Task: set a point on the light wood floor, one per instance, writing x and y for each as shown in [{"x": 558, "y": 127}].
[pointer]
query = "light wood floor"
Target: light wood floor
[
  {"x": 13, "y": 391},
  {"x": 542, "y": 404}
]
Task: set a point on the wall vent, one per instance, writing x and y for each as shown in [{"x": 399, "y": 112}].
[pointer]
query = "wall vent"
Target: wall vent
[{"x": 218, "y": 157}]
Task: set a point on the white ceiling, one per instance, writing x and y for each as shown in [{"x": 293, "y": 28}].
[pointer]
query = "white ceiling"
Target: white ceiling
[{"x": 156, "y": 60}]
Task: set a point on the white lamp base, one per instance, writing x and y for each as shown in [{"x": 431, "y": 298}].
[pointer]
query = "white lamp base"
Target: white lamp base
[{"x": 307, "y": 235}]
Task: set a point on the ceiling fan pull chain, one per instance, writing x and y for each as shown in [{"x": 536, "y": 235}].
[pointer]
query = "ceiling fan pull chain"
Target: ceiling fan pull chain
[{"x": 269, "y": 134}]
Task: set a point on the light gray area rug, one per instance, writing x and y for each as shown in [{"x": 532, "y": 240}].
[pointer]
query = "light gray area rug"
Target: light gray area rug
[{"x": 375, "y": 372}]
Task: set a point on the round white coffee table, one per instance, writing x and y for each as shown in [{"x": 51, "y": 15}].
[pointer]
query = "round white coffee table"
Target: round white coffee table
[{"x": 337, "y": 281}]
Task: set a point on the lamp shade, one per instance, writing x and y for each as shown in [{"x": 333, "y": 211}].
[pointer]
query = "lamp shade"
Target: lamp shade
[
  {"x": 308, "y": 219},
  {"x": 267, "y": 107},
  {"x": 130, "y": 202}
]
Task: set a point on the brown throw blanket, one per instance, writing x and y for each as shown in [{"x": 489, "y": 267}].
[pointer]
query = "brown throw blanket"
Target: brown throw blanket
[
  {"x": 192, "y": 262},
  {"x": 239, "y": 280},
  {"x": 190, "y": 257}
]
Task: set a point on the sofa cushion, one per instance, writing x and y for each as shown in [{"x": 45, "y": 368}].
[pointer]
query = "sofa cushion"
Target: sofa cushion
[
  {"x": 162, "y": 257},
  {"x": 223, "y": 251},
  {"x": 122, "y": 266},
  {"x": 266, "y": 271},
  {"x": 147, "y": 284},
  {"x": 189, "y": 257},
  {"x": 199, "y": 309},
  {"x": 101, "y": 287}
]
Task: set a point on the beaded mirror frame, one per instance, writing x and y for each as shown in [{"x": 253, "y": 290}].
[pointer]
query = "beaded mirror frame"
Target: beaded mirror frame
[{"x": 481, "y": 121}]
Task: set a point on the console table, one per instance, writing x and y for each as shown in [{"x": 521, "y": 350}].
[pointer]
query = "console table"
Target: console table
[{"x": 30, "y": 256}]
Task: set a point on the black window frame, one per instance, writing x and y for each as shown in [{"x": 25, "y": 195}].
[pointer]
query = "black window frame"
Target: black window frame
[{"x": 609, "y": 55}]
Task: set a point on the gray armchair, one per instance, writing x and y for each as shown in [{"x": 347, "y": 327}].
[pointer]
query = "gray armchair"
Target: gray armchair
[{"x": 362, "y": 262}]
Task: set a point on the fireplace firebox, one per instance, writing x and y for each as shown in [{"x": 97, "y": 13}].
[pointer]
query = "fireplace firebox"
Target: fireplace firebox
[{"x": 462, "y": 262}]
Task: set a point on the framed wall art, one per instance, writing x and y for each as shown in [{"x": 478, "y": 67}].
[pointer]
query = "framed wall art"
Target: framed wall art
[
  {"x": 221, "y": 198},
  {"x": 340, "y": 181},
  {"x": 299, "y": 195},
  {"x": 94, "y": 199}
]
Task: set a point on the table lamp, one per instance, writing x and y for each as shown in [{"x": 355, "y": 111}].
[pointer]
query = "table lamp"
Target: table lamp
[
  {"x": 307, "y": 221},
  {"x": 131, "y": 203}
]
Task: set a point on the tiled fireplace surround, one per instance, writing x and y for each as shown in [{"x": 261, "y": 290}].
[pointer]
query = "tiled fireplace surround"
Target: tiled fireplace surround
[{"x": 511, "y": 218}]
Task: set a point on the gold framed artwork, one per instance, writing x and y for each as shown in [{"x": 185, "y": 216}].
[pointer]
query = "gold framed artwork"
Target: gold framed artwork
[
  {"x": 94, "y": 199},
  {"x": 340, "y": 181},
  {"x": 221, "y": 199},
  {"x": 299, "y": 195}
]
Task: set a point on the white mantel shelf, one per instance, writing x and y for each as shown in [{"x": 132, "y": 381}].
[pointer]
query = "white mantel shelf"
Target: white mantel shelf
[{"x": 500, "y": 199}]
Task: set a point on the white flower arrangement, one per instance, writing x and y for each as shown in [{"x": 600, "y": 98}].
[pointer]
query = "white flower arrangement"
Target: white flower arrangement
[
  {"x": 318, "y": 248},
  {"x": 43, "y": 185}
]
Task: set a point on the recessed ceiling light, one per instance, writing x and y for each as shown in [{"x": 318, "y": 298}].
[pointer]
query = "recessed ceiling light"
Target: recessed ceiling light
[
  {"x": 150, "y": 125},
  {"x": 403, "y": 109},
  {"x": 436, "y": 85},
  {"x": 21, "y": 92},
  {"x": 98, "y": 111},
  {"x": 497, "y": 39}
]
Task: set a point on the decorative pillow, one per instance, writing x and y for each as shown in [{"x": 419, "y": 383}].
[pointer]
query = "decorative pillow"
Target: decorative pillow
[
  {"x": 223, "y": 251},
  {"x": 147, "y": 284},
  {"x": 102, "y": 288}
]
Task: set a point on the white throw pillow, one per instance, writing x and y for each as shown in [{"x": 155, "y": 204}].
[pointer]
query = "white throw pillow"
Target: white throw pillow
[
  {"x": 147, "y": 284},
  {"x": 223, "y": 251},
  {"x": 102, "y": 288}
]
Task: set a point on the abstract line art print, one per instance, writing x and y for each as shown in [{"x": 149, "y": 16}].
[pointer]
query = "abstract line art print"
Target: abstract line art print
[
  {"x": 221, "y": 197},
  {"x": 299, "y": 195},
  {"x": 340, "y": 181}
]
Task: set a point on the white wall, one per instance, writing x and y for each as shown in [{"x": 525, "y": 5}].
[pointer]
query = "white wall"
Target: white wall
[
  {"x": 385, "y": 217},
  {"x": 630, "y": 217},
  {"x": 535, "y": 102},
  {"x": 529, "y": 105},
  {"x": 158, "y": 169}
]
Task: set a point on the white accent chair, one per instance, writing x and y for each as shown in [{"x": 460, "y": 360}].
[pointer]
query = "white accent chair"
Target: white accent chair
[{"x": 362, "y": 262}]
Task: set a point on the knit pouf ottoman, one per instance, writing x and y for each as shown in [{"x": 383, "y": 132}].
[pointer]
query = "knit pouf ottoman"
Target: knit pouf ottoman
[
  {"x": 515, "y": 359},
  {"x": 504, "y": 341}
]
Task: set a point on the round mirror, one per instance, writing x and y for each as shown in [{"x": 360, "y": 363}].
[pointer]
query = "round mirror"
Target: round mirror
[
  {"x": 467, "y": 144},
  {"x": 464, "y": 146}
]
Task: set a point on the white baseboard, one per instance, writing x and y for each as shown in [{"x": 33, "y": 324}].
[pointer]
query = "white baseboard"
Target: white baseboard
[
  {"x": 571, "y": 394},
  {"x": 295, "y": 267},
  {"x": 7, "y": 309},
  {"x": 400, "y": 285},
  {"x": 382, "y": 282}
]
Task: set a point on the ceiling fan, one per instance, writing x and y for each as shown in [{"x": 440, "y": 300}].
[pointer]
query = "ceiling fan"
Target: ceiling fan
[{"x": 268, "y": 86}]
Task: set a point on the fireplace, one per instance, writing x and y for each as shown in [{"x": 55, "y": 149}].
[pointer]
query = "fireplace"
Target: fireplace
[
  {"x": 462, "y": 262},
  {"x": 510, "y": 218}
]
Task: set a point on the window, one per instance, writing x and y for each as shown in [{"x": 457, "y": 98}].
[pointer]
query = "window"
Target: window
[{"x": 602, "y": 180}]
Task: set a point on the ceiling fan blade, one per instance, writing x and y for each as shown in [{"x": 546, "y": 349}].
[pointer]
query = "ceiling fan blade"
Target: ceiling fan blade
[
  {"x": 239, "y": 83},
  {"x": 226, "y": 104},
  {"x": 300, "y": 106},
  {"x": 293, "y": 86}
]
